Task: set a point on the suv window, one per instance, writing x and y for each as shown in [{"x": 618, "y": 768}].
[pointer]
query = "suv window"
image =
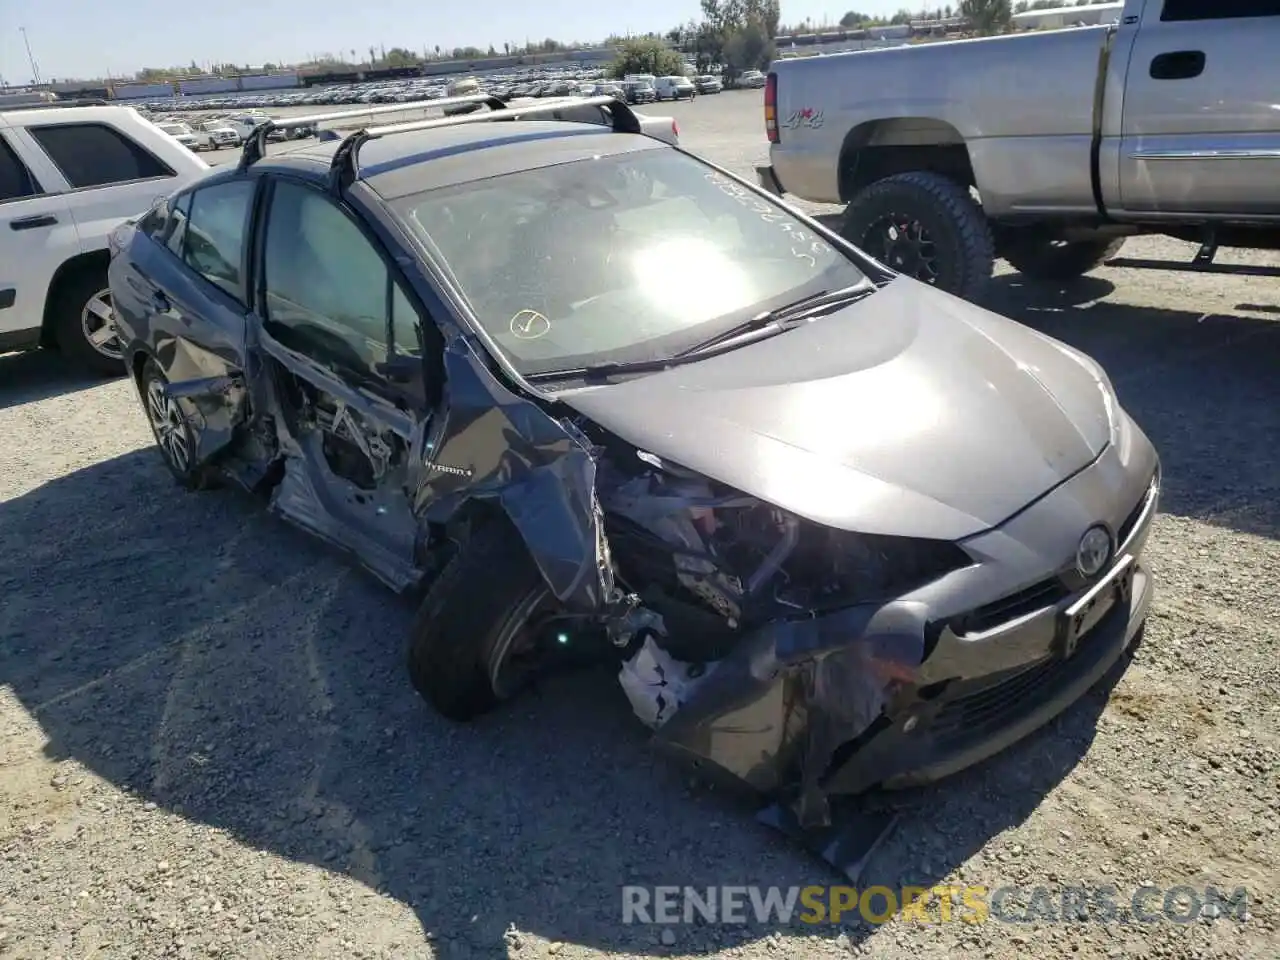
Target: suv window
[
  {"x": 328, "y": 291},
  {"x": 1175, "y": 11},
  {"x": 215, "y": 234},
  {"x": 16, "y": 181},
  {"x": 95, "y": 155}
]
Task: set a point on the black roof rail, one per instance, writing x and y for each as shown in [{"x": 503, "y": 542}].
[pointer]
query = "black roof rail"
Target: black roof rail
[
  {"x": 55, "y": 104},
  {"x": 344, "y": 167},
  {"x": 255, "y": 145}
]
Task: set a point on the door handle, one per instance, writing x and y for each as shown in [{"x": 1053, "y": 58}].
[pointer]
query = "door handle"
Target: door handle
[
  {"x": 160, "y": 302},
  {"x": 30, "y": 223},
  {"x": 1178, "y": 65}
]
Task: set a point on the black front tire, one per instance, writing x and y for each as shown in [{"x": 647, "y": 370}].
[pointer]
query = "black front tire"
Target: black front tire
[
  {"x": 1047, "y": 261},
  {"x": 956, "y": 225},
  {"x": 461, "y": 629},
  {"x": 68, "y": 303}
]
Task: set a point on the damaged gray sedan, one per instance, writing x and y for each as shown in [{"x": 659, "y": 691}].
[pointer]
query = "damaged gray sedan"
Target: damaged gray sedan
[{"x": 595, "y": 397}]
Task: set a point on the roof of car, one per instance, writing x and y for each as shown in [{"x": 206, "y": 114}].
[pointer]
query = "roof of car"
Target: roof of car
[{"x": 397, "y": 165}]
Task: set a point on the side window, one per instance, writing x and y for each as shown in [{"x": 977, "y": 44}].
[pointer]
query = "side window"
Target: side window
[
  {"x": 96, "y": 155},
  {"x": 404, "y": 324},
  {"x": 1177, "y": 11},
  {"x": 176, "y": 231},
  {"x": 16, "y": 181},
  {"x": 215, "y": 232},
  {"x": 328, "y": 291}
]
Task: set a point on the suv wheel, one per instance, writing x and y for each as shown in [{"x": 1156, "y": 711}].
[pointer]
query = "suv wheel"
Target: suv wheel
[{"x": 84, "y": 323}]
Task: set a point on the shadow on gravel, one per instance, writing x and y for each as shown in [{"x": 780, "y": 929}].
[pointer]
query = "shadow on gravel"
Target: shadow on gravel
[
  {"x": 38, "y": 375},
  {"x": 1203, "y": 387},
  {"x": 197, "y": 652}
]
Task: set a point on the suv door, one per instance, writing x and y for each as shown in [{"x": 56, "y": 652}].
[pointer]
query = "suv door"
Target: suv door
[
  {"x": 37, "y": 235},
  {"x": 344, "y": 342},
  {"x": 1201, "y": 133},
  {"x": 111, "y": 175}
]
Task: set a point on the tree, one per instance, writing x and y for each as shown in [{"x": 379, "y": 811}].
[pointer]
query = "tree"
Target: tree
[
  {"x": 987, "y": 16},
  {"x": 646, "y": 55},
  {"x": 739, "y": 34},
  {"x": 400, "y": 57},
  {"x": 854, "y": 18}
]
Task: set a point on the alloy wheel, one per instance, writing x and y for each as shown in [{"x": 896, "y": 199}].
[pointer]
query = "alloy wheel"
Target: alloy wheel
[
  {"x": 169, "y": 425},
  {"x": 98, "y": 324},
  {"x": 901, "y": 242}
]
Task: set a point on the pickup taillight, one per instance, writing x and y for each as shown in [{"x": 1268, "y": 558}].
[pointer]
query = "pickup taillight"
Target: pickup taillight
[{"x": 771, "y": 108}]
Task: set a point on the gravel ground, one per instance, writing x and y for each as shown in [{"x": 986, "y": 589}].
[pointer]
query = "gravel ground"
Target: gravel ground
[{"x": 208, "y": 746}]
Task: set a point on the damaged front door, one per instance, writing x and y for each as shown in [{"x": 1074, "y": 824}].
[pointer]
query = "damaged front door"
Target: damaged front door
[{"x": 344, "y": 372}]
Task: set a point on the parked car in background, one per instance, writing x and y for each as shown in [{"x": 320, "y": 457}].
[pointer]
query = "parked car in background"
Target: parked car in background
[
  {"x": 68, "y": 177},
  {"x": 575, "y": 386},
  {"x": 182, "y": 133},
  {"x": 245, "y": 123},
  {"x": 707, "y": 83},
  {"x": 1165, "y": 123},
  {"x": 750, "y": 79},
  {"x": 219, "y": 134},
  {"x": 638, "y": 92},
  {"x": 674, "y": 88}
]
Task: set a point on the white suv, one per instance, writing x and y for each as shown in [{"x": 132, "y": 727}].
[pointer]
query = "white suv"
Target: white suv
[{"x": 68, "y": 177}]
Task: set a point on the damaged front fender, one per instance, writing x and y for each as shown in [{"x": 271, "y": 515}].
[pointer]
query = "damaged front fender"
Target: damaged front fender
[{"x": 492, "y": 445}]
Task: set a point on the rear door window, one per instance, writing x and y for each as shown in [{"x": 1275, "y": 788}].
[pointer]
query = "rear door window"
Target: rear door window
[
  {"x": 215, "y": 233},
  {"x": 96, "y": 155},
  {"x": 16, "y": 181}
]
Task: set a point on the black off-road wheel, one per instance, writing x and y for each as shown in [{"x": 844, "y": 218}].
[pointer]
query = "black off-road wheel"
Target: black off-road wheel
[
  {"x": 83, "y": 321},
  {"x": 485, "y": 626},
  {"x": 926, "y": 226},
  {"x": 169, "y": 426},
  {"x": 1057, "y": 261}
]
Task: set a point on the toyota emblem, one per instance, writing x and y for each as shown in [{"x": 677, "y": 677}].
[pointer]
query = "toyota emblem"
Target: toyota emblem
[{"x": 1094, "y": 551}]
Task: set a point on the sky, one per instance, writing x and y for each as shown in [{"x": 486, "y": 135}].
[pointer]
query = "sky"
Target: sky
[{"x": 88, "y": 38}]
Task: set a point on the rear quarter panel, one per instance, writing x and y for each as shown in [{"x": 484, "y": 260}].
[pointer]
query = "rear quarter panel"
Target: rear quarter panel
[{"x": 1022, "y": 104}]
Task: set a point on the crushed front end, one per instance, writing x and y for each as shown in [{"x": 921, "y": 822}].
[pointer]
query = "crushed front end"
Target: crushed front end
[{"x": 808, "y": 662}]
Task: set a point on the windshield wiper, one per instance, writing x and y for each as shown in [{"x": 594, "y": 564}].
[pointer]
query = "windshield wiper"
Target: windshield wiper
[
  {"x": 804, "y": 307},
  {"x": 797, "y": 309}
]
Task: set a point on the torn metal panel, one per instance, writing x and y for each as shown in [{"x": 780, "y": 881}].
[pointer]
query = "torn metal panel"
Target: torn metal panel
[
  {"x": 373, "y": 519},
  {"x": 793, "y": 691},
  {"x": 491, "y": 444},
  {"x": 214, "y": 409}
]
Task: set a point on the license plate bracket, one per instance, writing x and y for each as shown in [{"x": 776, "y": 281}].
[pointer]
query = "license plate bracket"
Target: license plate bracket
[{"x": 1084, "y": 614}]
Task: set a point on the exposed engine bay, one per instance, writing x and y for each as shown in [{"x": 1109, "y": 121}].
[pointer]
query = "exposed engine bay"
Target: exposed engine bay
[{"x": 715, "y": 563}]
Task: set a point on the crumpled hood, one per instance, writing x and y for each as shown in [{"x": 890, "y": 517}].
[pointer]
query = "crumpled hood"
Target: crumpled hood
[{"x": 909, "y": 413}]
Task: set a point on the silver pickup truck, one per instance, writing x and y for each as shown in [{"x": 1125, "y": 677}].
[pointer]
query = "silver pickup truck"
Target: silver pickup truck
[{"x": 1045, "y": 148}]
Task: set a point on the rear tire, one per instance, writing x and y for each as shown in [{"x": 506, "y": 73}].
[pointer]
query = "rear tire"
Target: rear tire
[
  {"x": 173, "y": 436},
  {"x": 1054, "y": 262},
  {"x": 462, "y": 635},
  {"x": 927, "y": 226},
  {"x": 82, "y": 317}
]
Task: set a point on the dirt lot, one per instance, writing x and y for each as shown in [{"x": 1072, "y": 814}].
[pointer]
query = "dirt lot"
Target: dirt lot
[{"x": 208, "y": 746}]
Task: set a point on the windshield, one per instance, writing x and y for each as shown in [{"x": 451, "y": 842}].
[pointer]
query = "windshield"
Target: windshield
[{"x": 618, "y": 259}]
